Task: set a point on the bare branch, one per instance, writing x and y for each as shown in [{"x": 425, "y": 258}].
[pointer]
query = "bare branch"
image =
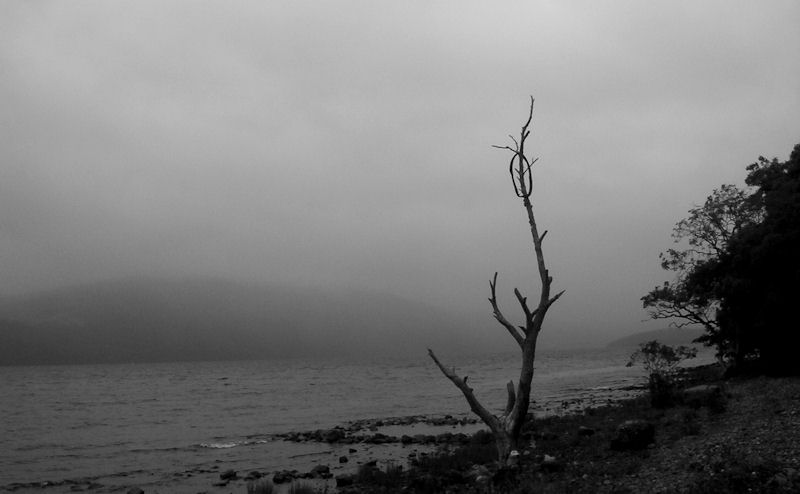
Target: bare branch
[
  {"x": 525, "y": 172},
  {"x": 523, "y": 301},
  {"x": 512, "y": 397},
  {"x": 511, "y": 172},
  {"x": 500, "y": 317},
  {"x": 543, "y": 235},
  {"x": 461, "y": 384},
  {"x": 556, "y": 297},
  {"x": 528, "y": 170},
  {"x": 530, "y": 116}
]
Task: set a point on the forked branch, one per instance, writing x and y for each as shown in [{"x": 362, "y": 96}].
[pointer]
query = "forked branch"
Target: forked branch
[
  {"x": 523, "y": 301},
  {"x": 499, "y": 315}
]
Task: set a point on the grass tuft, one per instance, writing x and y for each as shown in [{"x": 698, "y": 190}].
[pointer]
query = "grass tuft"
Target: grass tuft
[
  {"x": 370, "y": 474},
  {"x": 261, "y": 486},
  {"x": 302, "y": 488}
]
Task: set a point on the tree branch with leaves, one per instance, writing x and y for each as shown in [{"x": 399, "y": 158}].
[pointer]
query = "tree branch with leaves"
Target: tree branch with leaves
[{"x": 692, "y": 297}]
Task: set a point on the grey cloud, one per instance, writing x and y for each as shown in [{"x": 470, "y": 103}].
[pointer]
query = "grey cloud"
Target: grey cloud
[{"x": 349, "y": 143}]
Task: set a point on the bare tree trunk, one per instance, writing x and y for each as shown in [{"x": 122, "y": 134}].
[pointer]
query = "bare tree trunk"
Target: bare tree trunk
[{"x": 507, "y": 427}]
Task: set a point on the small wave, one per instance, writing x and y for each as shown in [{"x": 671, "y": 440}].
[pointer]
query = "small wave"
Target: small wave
[
  {"x": 232, "y": 444},
  {"x": 219, "y": 445}
]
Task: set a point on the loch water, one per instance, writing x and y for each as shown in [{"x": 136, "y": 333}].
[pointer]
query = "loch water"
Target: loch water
[{"x": 140, "y": 423}]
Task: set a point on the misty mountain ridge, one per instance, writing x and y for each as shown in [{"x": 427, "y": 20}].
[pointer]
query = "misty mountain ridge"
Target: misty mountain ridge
[{"x": 143, "y": 320}]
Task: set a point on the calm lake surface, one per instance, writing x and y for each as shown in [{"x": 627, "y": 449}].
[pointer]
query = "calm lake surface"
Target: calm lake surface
[{"x": 145, "y": 424}]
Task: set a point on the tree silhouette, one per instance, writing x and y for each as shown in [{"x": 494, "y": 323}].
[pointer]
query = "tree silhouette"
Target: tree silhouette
[
  {"x": 693, "y": 297},
  {"x": 740, "y": 274},
  {"x": 507, "y": 426},
  {"x": 760, "y": 271}
]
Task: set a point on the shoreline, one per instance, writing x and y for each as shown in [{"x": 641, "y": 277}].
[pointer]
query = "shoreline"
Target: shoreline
[
  {"x": 736, "y": 435},
  {"x": 721, "y": 436},
  {"x": 378, "y": 441}
]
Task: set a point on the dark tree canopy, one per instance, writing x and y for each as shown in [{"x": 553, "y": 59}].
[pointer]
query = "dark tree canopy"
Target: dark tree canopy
[
  {"x": 761, "y": 269},
  {"x": 739, "y": 275}
]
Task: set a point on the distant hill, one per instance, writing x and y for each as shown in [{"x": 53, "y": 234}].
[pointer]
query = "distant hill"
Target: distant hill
[
  {"x": 668, "y": 336},
  {"x": 201, "y": 319}
]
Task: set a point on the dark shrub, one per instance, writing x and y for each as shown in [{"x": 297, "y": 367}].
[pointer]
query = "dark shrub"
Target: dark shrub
[{"x": 661, "y": 363}]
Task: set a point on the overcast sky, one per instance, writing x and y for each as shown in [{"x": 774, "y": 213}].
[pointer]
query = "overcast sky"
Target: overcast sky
[{"x": 348, "y": 144}]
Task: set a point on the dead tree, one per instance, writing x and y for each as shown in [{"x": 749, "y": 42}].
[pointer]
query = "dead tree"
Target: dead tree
[{"x": 507, "y": 426}]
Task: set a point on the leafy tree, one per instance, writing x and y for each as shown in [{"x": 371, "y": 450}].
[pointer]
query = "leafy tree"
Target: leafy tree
[
  {"x": 760, "y": 270},
  {"x": 692, "y": 296},
  {"x": 507, "y": 426},
  {"x": 740, "y": 273}
]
